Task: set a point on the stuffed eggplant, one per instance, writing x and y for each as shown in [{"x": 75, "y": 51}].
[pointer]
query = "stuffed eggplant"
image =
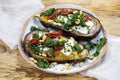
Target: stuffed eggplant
[
  {"x": 76, "y": 23},
  {"x": 54, "y": 47}
]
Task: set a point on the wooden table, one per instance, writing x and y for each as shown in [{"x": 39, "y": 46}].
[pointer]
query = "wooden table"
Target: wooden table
[{"x": 14, "y": 67}]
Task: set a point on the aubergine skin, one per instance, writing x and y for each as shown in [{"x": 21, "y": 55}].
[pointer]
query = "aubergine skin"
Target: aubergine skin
[
  {"x": 59, "y": 56},
  {"x": 78, "y": 36}
]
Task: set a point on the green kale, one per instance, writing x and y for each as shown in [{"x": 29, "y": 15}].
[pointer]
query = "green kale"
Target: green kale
[
  {"x": 48, "y": 42},
  {"x": 99, "y": 45},
  {"x": 42, "y": 63},
  {"x": 36, "y": 49},
  {"x": 77, "y": 47},
  {"x": 48, "y": 12},
  {"x": 34, "y": 28},
  {"x": 51, "y": 51},
  {"x": 36, "y": 35},
  {"x": 82, "y": 21},
  {"x": 89, "y": 46},
  {"x": 61, "y": 43}
]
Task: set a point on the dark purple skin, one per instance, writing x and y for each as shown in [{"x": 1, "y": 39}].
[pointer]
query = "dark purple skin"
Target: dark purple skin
[{"x": 78, "y": 36}]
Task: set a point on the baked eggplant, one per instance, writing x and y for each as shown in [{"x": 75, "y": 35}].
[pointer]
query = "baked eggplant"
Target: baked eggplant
[
  {"x": 76, "y": 23},
  {"x": 54, "y": 47}
]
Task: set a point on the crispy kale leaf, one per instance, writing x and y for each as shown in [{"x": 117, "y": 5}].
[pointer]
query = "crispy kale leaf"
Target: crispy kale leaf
[
  {"x": 48, "y": 12},
  {"x": 43, "y": 63}
]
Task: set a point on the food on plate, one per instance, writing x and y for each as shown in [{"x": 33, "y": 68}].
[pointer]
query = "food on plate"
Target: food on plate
[
  {"x": 76, "y": 23},
  {"x": 51, "y": 46}
]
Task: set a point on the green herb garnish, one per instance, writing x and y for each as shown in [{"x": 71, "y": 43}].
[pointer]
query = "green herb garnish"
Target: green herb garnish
[
  {"x": 48, "y": 42},
  {"x": 82, "y": 21},
  {"x": 51, "y": 51},
  {"x": 56, "y": 43},
  {"x": 48, "y": 12},
  {"x": 77, "y": 47},
  {"x": 89, "y": 46},
  {"x": 99, "y": 45},
  {"x": 35, "y": 48},
  {"x": 43, "y": 63},
  {"x": 51, "y": 44},
  {"x": 34, "y": 28},
  {"x": 36, "y": 35},
  {"x": 61, "y": 43}
]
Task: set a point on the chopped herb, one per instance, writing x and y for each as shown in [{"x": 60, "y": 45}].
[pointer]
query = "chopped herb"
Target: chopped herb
[
  {"x": 35, "y": 49},
  {"x": 89, "y": 46},
  {"x": 99, "y": 45},
  {"x": 56, "y": 43},
  {"x": 51, "y": 51},
  {"x": 34, "y": 28},
  {"x": 82, "y": 21},
  {"x": 43, "y": 63},
  {"x": 36, "y": 35},
  {"x": 48, "y": 42},
  {"x": 77, "y": 47},
  {"x": 59, "y": 19},
  {"x": 71, "y": 18},
  {"x": 61, "y": 43},
  {"x": 70, "y": 21},
  {"x": 48, "y": 12}
]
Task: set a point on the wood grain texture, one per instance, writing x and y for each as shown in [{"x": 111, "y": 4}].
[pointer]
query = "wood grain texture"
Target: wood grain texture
[{"x": 14, "y": 67}]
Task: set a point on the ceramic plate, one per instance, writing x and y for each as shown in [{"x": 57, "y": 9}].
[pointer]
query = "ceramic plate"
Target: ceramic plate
[{"x": 57, "y": 69}]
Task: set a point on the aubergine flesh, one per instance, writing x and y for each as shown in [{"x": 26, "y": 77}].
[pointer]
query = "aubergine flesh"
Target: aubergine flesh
[{"x": 54, "y": 47}]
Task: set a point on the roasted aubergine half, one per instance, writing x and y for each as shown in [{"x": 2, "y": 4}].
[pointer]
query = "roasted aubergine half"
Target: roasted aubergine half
[
  {"x": 76, "y": 23},
  {"x": 54, "y": 47}
]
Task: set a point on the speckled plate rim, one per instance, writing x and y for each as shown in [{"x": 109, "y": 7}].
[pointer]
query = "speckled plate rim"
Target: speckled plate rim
[{"x": 102, "y": 52}]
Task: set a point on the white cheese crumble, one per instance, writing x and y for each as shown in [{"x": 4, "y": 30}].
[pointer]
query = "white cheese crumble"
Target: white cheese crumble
[
  {"x": 80, "y": 29},
  {"x": 70, "y": 16},
  {"x": 67, "y": 50},
  {"x": 46, "y": 49},
  {"x": 41, "y": 34},
  {"x": 69, "y": 43},
  {"x": 90, "y": 24},
  {"x": 65, "y": 19},
  {"x": 40, "y": 47},
  {"x": 60, "y": 18}
]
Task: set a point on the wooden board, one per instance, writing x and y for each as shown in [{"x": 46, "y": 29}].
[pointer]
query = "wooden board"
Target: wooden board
[{"x": 14, "y": 67}]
